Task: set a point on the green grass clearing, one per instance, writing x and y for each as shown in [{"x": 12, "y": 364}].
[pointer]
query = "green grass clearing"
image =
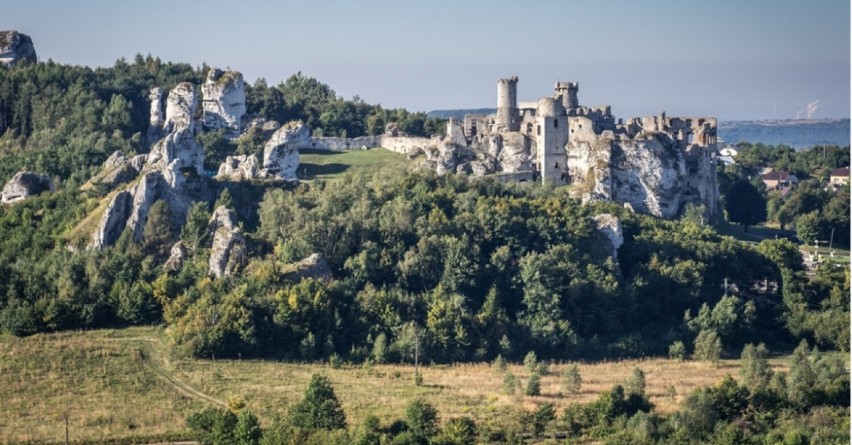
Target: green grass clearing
[{"x": 325, "y": 164}]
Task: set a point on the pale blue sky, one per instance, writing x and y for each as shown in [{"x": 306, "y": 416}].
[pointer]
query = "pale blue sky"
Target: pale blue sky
[{"x": 734, "y": 59}]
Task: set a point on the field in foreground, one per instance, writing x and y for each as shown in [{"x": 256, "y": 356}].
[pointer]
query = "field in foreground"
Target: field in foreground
[
  {"x": 120, "y": 383},
  {"x": 324, "y": 164}
]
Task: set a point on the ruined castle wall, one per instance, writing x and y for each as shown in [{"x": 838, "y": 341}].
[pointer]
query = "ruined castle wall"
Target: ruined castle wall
[
  {"x": 507, "y": 104},
  {"x": 406, "y": 145},
  {"x": 342, "y": 144}
]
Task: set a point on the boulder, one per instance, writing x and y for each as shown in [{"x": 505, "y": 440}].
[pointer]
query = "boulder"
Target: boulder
[
  {"x": 224, "y": 101},
  {"x": 314, "y": 266},
  {"x": 177, "y": 256},
  {"x": 237, "y": 168},
  {"x": 24, "y": 185},
  {"x": 113, "y": 221},
  {"x": 281, "y": 152},
  {"x": 609, "y": 226},
  {"x": 228, "y": 252},
  {"x": 16, "y": 47}
]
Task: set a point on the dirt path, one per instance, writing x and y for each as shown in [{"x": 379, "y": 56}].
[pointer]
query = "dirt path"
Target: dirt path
[{"x": 160, "y": 364}]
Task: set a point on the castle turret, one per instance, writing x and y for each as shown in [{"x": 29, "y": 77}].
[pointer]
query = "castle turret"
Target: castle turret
[
  {"x": 551, "y": 138},
  {"x": 568, "y": 92},
  {"x": 508, "y": 116}
]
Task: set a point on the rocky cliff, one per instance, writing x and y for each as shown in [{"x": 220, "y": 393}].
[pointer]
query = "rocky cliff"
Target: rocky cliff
[
  {"x": 228, "y": 253},
  {"x": 16, "y": 47},
  {"x": 224, "y": 101},
  {"x": 281, "y": 152}
]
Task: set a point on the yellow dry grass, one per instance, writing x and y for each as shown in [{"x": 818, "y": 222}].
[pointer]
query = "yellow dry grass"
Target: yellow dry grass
[{"x": 117, "y": 383}]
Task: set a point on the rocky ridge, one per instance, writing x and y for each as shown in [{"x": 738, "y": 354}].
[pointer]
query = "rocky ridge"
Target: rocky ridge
[{"x": 16, "y": 47}]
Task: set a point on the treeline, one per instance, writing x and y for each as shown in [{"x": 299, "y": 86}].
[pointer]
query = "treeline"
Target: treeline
[{"x": 65, "y": 120}]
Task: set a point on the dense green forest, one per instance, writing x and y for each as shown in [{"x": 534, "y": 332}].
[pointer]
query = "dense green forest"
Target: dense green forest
[{"x": 451, "y": 268}]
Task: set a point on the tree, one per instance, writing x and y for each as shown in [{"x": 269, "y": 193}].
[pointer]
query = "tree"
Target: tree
[
  {"x": 745, "y": 204},
  {"x": 159, "y": 232},
  {"x": 213, "y": 426},
  {"x": 533, "y": 385},
  {"x": 755, "y": 369},
  {"x": 677, "y": 351},
  {"x": 422, "y": 418},
  {"x": 458, "y": 431},
  {"x": 801, "y": 379},
  {"x": 708, "y": 346},
  {"x": 319, "y": 409},
  {"x": 194, "y": 233},
  {"x": 636, "y": 383},
  {"x": 810, "y": 227},
  {"x": 571, "y": 379},
  {"x": 247, "y": 430}
]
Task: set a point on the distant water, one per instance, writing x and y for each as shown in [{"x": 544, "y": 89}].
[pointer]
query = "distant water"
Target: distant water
[
  {"x": 799, "y": 133},
  {"x": 795, "y": 133}
]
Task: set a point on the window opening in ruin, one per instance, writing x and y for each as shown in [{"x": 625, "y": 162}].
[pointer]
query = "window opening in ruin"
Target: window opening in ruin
[
  {"x": 556, "y": 165},
  {"x": 555, "y": 123},
  {"x": 538, "y": 130}
]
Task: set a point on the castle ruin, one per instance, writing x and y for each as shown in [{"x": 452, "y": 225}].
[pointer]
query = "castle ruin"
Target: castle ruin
[{"x": 654, "y": 164}]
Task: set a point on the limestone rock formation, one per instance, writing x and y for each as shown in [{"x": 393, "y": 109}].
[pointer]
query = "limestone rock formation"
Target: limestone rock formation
[
  {"x": 113, "y": 221},
  {"x": 24, "y": 185},
  {"x": 177, "y": 256},
  {"x": 118, "y": 169},
  {"x": 281, "y": 153},
  {"x": 238, "y": 168},
  {"x": 224, "y": 101},
  {"x": 178, "y": 153},
  {"x": 228, "y": 253},
  {"x": 314, "y": 266},
  {"x": 146, "y": 192},
  {"x": 15, "y": 47},
  {"x": 156, "y": 119},
  {"x": 610, "y": 227}
]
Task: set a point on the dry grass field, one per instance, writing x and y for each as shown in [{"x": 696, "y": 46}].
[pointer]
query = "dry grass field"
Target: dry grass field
[{"x": 119, "y": 383}]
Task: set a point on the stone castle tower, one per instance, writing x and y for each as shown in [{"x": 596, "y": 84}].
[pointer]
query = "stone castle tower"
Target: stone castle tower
[
  {"x": 551, "y": 137},
  {"x": 568, "y": 92},
  {"x": 507, "y": 116}
]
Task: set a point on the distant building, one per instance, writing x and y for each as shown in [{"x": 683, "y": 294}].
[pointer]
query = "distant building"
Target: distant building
[
  {"x": 839, "y": 177},
  {"x": 729, "y": 151},
  {"x": 779, "y": 181}
]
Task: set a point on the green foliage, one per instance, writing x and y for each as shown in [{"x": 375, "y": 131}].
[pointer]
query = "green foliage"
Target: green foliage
[
  {"x": 247, "y": 430},
  {"x": 571, "y": 382},
  {"x": 499, "y": 364},
  {"x": 755, "y": 370},
  {"x": 510, "y": 383},
  {"x": 159, "y": 232},
  {"x": 194, "y": 233},
  {"x": 744, "y": 204},
  {"x": 531, "y": 362},
  {"x": 457, "y": 431},
  {"x": 213, "y": 426},
  {"x": 422, "y": 418},
  {"x": 533, "y": 385},
  {"x": 543, "y": 415},
  {"x": 708, "y": 346},
  {"x": 636, "y": 383},
  {"x": 319, "y": 409},
  {"x": 677, "y": 351},
  {"x": 810, "y": 227}
]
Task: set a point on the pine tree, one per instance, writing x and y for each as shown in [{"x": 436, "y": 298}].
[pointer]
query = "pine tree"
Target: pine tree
[
  {"x": 319, "y": 409},
  {"x": 571, "y": 380}
]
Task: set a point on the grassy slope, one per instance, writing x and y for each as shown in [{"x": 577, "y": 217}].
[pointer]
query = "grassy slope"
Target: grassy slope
[
  {"x": 322, "y": 164},
  {"x": 120, "y": 383}
]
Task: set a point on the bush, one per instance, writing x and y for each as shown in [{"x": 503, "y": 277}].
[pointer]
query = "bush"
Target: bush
[
  {"x": 457, "y": 431},
  {"x": 422, "y": 418},
  {"x": 708, "y": 346},
  {"x": 213, "y": 426},
  {"x": 531, "y": 362},
  {"x": 499, "y": 365},
  {"x": 510, "y": 383},
  {"x": 677, "y": 351}
]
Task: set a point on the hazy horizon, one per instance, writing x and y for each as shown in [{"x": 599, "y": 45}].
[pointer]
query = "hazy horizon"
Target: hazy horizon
[{"x": 734, "y": 60}]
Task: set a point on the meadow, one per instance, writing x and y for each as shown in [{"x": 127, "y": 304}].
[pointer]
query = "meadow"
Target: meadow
[{"x": 126, "y": 385}]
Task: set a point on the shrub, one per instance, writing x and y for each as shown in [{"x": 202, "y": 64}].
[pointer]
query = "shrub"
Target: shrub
[
  {"x": 677, "y": 351},
  {"x": 533, "y": 385},
  {"x": 571, "y": 380},
  {"x": 319, "y": 409}
]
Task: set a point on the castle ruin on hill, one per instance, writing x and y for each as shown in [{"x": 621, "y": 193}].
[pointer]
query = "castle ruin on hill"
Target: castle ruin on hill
[{"x": 655, "y": 164}]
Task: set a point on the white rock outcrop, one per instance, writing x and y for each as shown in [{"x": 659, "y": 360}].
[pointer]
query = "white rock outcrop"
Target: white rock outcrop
[
  {"x": 16, "y": 47},
  {"x": 314, "y": 266},
  {"x": 239, "y": 168},
  {"x": 113, "y": 221},
  {"x": 610, "y": 227},
  {"x": 178, "y": 152},
  {"x": 281, "y": 152},
  {"x": 228, "y": 252},
  {"x": 177, "y": 256},
  {"x": 156, "y": 120},
  {"x": 224, "y": 101},
  {"x": 24, "y": 185}
]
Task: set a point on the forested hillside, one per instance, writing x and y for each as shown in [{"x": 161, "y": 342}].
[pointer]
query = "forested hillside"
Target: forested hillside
[{"x": 408, "y": 264}]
